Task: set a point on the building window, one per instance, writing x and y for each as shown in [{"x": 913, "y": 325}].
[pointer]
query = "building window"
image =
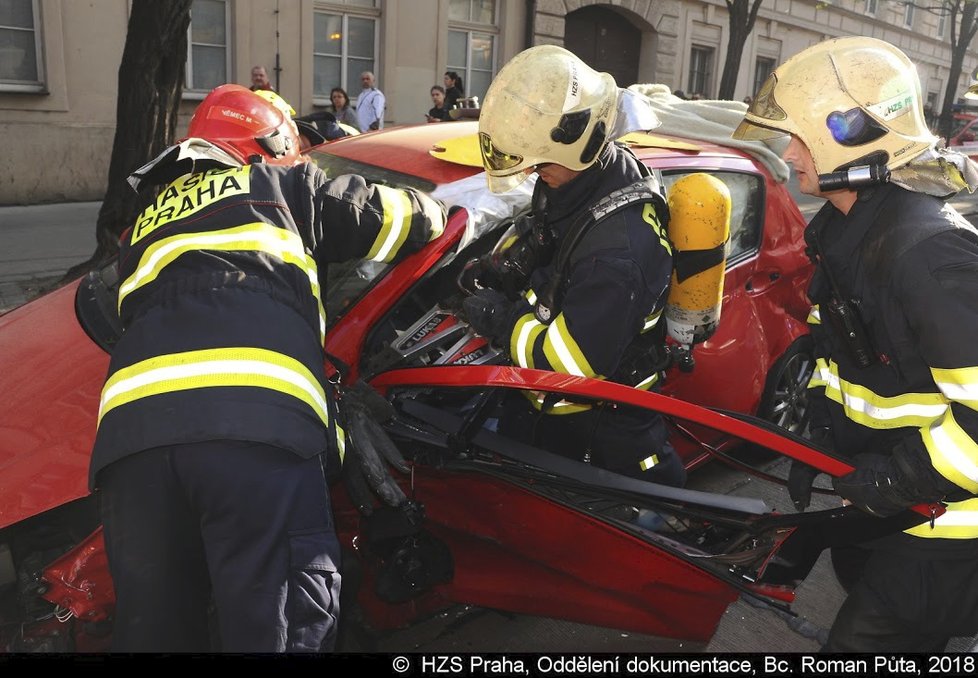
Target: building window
[
  {"x": 472, "y": 11},
  {"x": 763, "y": 67},
  {"x": 344, "y": 46},
  {"x": 20, "y": 53},
  {"x": 208, "y": 56},
  {"x": 871, "y": 7},
  {"x": 909, "y": 15},
  {"x": 472, "y": 43},
  {"x": 942, "y": 22},
  {"x": 700, "y": 70},
  {"x": 472, "y": 54}
]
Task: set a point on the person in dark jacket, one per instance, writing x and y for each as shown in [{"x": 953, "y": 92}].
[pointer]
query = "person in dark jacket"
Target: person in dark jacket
[
  {"x": 438, "y": 112},
  {"x": 895, "y": 313},
  {"x": 216, "y": 419},
  {"x": 548, "y": 112},
  {"x": 454, "y": 89}
]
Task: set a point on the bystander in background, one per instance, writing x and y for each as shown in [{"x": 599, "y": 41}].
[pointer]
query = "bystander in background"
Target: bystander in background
[
  {"x": 454, "y": 89},
  {"x": 259, "y": 79},
  {"x": 438, "y": 112},
  {"x": 370, "y": 104},
  {"x": 342, "y": 110}
]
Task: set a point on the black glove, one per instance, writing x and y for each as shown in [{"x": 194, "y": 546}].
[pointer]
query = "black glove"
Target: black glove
[
  {"x": 478, "y": 274},
  {"x": 876, "y": 486},
  {"x": 364, "y": 409},
  {"x": 491, "y": 314},
  {"x": 801, "y": 476}
]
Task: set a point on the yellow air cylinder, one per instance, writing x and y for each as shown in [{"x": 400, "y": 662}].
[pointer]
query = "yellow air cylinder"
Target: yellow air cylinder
[{"x": 699, "y": 226}]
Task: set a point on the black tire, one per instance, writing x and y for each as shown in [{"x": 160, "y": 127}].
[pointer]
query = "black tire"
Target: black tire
[{"x": 785, "y": 398}]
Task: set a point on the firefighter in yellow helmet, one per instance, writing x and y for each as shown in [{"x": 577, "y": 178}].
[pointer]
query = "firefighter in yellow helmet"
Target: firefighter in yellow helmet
[
  {"x": 894, "y": 320},
  {"x": 582, "y": 289},
  {"x": 216, "y": 421}
]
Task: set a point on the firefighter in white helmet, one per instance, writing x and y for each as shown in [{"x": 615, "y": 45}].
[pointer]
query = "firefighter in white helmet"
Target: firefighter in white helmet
[
  {"x": 586, "y": 289},
  {"x": 894, "y": 317}
]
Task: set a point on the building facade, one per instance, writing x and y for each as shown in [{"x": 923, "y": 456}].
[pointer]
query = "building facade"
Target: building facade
[{"x": 59, "y": 59}]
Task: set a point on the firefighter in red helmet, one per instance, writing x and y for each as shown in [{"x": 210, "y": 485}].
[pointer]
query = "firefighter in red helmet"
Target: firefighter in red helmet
[{"x": 216, "y": 420}]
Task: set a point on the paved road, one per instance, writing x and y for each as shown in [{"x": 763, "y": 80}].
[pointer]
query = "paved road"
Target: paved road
[{"x": 38, "y": 243}]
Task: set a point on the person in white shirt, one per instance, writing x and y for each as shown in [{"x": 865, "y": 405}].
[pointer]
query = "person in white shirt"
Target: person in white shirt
[{"x": 370, "y": 104}]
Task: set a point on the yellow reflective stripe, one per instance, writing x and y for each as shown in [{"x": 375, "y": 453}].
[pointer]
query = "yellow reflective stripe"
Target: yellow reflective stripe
[
  {"x": 237, "y": 366},
  {"x": 952, "y": 451},
  {"x": 648, "y": 462},
  {"x": 396, "y": 227},
  {"x": 563, "y": 352},
  {"x": 959, "y": 385},
  {"x": 648, "y": 382},
  {"x": 255, "y": 237},
  {"x": 531, "y": 297},
  {"x": 536, "y": 398},
  {"x": 524, "y": 338},
  {"x": 651, "y": 321},
  {"x": 814, "y": 316},
  {"x": 651, "y": 218},
  {"x": 875, "y": 411},
  {"x": 341, "y": 442},
  {"x": 960, "y": 521}
]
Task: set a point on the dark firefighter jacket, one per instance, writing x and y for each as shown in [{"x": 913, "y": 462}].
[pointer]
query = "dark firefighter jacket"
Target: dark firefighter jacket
[
  {"x": 910, "y": 264},
  {"x": 221, "y": 305},
  {"x": 615, "y": 288}
]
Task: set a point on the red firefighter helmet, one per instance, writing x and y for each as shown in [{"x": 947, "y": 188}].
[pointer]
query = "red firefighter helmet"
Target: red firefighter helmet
[{"x": 246, "y": 124}]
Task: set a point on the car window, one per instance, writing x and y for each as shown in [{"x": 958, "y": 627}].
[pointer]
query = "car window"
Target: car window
[
  {"x": 746, "y": 213},
  {"x": 346, "y": 282},
  {"x": 335, "y": 166}
]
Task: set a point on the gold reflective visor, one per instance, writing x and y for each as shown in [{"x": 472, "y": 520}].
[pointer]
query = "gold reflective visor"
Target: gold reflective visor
[
  {"x": 493, "y": 159},
  {"x": 763, "y": 110},
  {"x": 765, "y": 106}
]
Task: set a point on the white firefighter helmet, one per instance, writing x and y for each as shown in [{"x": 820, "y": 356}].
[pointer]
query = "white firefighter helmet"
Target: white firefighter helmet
[
  {"x": 846, "y": 99},
  {"x": 544, "y": 106}
]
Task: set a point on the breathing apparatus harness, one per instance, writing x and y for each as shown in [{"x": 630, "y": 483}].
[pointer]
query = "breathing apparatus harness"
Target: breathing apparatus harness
[{"x": 842, "y": 311}]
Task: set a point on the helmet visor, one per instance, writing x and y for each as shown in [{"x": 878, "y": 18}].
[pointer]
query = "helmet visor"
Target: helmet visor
[
  {"x": 765, "y": 119},
  {"x": 765, "y": 105},
  {"x": 495, "y": 160},
  {"x": 507, "y": 182},
  {"x": 748, "y": 130}
]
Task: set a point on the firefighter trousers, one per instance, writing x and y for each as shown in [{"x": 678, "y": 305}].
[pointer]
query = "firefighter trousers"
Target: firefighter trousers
[
  {"x": 238, "y": 529},
  {"x": 908, "y": 601}
]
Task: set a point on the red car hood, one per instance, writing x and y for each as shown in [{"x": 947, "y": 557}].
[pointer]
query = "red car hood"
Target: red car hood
[{"x": 45, "y": 357}]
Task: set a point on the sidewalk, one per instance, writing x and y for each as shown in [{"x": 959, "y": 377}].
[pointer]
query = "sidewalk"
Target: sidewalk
[{"x": 38, "y": 243}]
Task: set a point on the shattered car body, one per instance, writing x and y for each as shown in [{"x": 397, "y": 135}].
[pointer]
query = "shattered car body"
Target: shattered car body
[{"x": 498, "y": 522}]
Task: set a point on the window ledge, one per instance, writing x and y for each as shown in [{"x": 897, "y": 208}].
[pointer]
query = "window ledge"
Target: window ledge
[{"x": 23, "y": 89}]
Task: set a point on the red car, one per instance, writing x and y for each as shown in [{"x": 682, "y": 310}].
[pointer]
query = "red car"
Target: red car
[{"x": 496, "y": 522}]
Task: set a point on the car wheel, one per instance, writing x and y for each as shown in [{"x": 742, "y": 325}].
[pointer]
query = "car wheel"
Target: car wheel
[{"x": 785, "y": 398}]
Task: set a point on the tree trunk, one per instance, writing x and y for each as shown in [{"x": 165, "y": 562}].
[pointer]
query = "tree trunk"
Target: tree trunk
[
  {"x": 962, "y": 33},
  {"x": 150, "y": 86},
  {"x": 742, "y": 17}
]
